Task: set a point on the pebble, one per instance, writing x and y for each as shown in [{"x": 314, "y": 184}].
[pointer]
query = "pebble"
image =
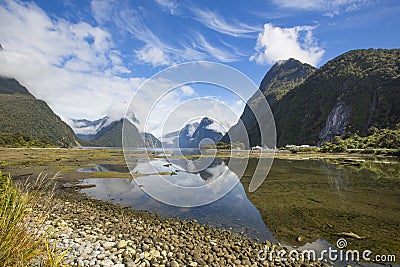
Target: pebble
[
  {"x": 121, "y": 244},
  {"x": 138, "y": 238},
  {"x": 108, "y": 245},
  {"x": 101, "y": 256},
  {"x": 107, "y": 263}
]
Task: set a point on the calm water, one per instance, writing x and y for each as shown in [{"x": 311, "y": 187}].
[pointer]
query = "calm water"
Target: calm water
[
  {"x": 358, "y": 196},
  {"x": 233, "y": 211}
]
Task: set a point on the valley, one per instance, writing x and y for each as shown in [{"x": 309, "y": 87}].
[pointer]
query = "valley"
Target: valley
[
  {"x": 304, "y": 198},
  {"x": 216, "y": 195}
]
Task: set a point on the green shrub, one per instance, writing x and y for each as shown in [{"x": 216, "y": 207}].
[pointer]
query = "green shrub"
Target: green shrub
[
  {"x": 377, "y": 140},
  {"x": 333, "y": 148},
  {"x": 22, "y": 140}
]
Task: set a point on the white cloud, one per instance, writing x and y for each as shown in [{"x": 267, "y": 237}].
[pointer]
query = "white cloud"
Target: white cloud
[
  {"x": 101, "y": 10},
  {"x": 276, "y": 43},
  {"x": 187, "y": 90},
  {"x": 168, "y": 106},
  {"x": 75, "y": 68},
  {"x": 72, "y": 66},
  {"x": 217, "y": 23},
  {"x": 216, "y": 52},
  {"x": 170, "y": 5},
  {"x": 154, "y": 52},
  {"x": 152, "y": 55},
  {"x": 25, "y": 27},
  {"x": 157, "y": 52},
  {"x": 332, "y": 7}
]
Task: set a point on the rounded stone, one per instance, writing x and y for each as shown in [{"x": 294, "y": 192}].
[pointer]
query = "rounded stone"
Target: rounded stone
[{"x": 121, "y": 244}]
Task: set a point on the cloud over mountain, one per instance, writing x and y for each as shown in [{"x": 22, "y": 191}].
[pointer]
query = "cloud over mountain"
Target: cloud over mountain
[{"x": 276, "y": 43}]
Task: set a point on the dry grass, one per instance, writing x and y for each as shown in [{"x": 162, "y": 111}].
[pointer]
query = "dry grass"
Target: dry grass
[
  {"x": 23, "y": 211},
  {"x": 110, "y": 174}
]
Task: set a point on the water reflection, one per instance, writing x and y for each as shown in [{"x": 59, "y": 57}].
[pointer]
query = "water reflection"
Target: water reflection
[
  {"x": 104, "y": 168},
  {"x": 233, "y": 211},
  {"x": 337, "y": 178},
  {"x": 337, "y": 196}
]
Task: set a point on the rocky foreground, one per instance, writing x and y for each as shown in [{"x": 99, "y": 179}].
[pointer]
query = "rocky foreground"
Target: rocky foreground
[{"x": 96, "y": 233}]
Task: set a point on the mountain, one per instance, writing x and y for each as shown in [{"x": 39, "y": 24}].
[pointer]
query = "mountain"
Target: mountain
[
  {"x": 85, "y": 128},
  {"x": 170, "y": 139},
  {"x": 283, "y": 77},
  {"x": 151, "y": 141},
  {"x": 192, "y": 134},
  {"x": 22, "y": 113},
  {"x": 181, "y": 138},
  {"x": 207, "y": 129},
  {"x": 349, "y": 94},
  {"x": 111, "y": 135},
  {"x": 185, "y": 136}
]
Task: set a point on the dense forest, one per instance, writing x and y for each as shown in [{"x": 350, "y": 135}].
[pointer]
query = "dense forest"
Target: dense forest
[
  {"x": 365, "y": 83},
  {"x": 30, "y": 118},
  {"x": 352, "y": 101}
]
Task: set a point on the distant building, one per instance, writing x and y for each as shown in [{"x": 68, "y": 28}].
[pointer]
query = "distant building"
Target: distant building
[{"x": 300, "y": 146}]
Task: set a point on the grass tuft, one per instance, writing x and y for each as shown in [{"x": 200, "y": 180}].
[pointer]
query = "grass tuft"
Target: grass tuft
[{"x": 22, "y": 239}]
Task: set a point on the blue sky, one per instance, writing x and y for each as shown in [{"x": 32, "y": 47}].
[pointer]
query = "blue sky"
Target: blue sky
[{"x": 87, "y": 58}]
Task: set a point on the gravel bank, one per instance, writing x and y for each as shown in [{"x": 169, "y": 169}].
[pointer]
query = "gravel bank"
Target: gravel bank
[{"x": 101, "y": 234}]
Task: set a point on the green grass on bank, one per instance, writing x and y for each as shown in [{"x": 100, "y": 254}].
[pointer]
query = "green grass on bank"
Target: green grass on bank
[{"x": 379, "y": 140}]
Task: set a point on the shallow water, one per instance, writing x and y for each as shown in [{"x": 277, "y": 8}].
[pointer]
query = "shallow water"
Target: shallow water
[
  {"x": 310, "y": 198},
  {"x": 233, "y": 211}
]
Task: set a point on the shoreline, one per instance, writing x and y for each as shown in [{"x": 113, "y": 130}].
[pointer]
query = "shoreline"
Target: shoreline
[
  {"x": 22, "y": 163},
  {"x": 99, "y": 233}
]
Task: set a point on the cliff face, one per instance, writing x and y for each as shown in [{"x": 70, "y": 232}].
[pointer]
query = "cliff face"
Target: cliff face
[
  {"x": 283, "y": 77},
  {"x": 349, "y": 94},
  {"x": 336, "y": 123}
]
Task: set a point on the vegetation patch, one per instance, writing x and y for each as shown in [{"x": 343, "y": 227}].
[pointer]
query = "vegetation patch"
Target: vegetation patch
[
  {"x": 380, "y": 141},
  {"x": 21, "y": 242},
  {"x": 23, "y": 140},
  {"x": 110, "y": 174}
]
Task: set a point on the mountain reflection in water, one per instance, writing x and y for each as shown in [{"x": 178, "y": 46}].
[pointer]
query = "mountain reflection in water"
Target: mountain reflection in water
[{"x": 233, "y": 211}]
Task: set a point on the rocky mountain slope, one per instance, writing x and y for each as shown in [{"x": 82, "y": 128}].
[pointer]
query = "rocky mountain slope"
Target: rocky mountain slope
[
  {"x": 111, "y": 136},
  {"x": 207, "y": 129},
  {"x": 84, "y": 128},
  {"x": 193, "y": 134},
  {"x": 349, "y": 94},
  {"x": 22, "y": 113},
  {"x": 279, "y": 80}
]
